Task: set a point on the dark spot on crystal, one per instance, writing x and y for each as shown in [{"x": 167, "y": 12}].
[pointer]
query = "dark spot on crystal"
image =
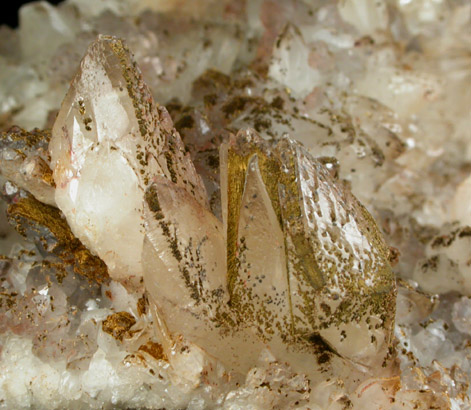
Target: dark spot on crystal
[{"x": 186, "y": 121}]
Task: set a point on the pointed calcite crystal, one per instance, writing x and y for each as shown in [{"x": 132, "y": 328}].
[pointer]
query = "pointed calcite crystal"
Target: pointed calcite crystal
[
  {"x": 109, "y": 139},
  {"x": 306, "y": 261},
  {"x": 300, "y": 266}
]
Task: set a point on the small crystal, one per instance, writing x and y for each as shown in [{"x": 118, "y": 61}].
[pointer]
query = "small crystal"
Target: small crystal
[
  {"x": 290, "y": 63},
  {"x": 367, "y": 16},
  {"x": 462, "y": 315}
]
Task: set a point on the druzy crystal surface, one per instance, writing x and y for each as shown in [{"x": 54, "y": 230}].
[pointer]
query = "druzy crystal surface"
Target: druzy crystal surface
[{"x": 236, "y": 205}]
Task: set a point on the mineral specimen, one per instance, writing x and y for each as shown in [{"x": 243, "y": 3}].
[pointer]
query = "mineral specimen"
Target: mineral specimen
[
  {"x": 108, "y": 141},
  {"x": 189, "y": 229},
  {"x": 307, "y": 270}
]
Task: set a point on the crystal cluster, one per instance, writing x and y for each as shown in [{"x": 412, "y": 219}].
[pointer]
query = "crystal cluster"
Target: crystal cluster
[{"x": 265, "y": 205}]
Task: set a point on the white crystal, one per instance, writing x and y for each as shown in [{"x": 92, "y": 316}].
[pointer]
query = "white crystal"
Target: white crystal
[
  {"x": 447, "y": 265},
  {"x": 462, "y": 315},
  {"x": 41, "y": 23},
  {"x": 109, "y": 140},
  {"x": 367, "y": 16},
  {"x": 403, "y": 91},
  {"x": 461, "y": 205},
  {"x": 290, "y": 63}
]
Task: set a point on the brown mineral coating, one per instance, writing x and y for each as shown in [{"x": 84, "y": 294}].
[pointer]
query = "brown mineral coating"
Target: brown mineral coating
[
  {"x": 35, "y": 139},
  {"x": 45, "y": 225},
  {"x": 154, "y": 349},
  {"x": 26, "y": 143},
  {"x": 118, "y": 325},
  {"x": 26, "y": 161},
  {"x": 142, "y": 304}
]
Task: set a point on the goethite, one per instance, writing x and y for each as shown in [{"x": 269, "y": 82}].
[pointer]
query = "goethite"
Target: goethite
[{"x": 220, "y": 259}]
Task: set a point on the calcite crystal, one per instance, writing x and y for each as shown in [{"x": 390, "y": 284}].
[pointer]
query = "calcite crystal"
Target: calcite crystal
[
  {"x": 264, "y": 207},
  {"x": 307, "y": 271},
  {"x": 332, "y": 263},
  {"x": 108, "y": 141}
]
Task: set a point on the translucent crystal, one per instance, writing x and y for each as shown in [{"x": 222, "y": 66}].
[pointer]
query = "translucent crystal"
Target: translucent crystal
[
  {"x": 462, "y": 315},
  {"x": 184, "y": 260},
  {"x": 41, "y": 23},
  {"x": 19, "y": 84},
  {"x": 290, "y": 63},
  {"x": 460, "y": 206},
  {"x": 108, "y": 141},
  {"x": 313, "y": 290},
  {"x": 328, "y": 276},
  {"x": 367, "y": 16},
  {"x": 402, "y": 91}
]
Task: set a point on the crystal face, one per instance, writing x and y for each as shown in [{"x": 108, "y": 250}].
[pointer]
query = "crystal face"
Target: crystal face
[
  {"x": 305, "y": 261},
  {"x": 335, "y": 279},
  {"x": 264, "y": 207},
  {"x": 108, "y": 141}
]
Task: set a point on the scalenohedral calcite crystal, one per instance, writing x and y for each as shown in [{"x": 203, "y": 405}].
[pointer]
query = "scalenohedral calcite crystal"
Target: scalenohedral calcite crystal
[
  {"x": 189, "y": 229},
  {"x": 306, "y": 269},
  {"x": 108, "y": 141}
]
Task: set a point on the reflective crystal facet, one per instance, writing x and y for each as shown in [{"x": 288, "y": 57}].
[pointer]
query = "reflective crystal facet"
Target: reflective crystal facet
[
  {"x": 332, "y": 279},
  {"x": 109, "y": 140},
  {"x": 307, "y": 272}
]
